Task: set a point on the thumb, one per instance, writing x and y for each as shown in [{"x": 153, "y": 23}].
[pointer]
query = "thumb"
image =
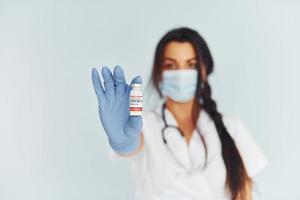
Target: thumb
[{"x": 134, "y": 126}]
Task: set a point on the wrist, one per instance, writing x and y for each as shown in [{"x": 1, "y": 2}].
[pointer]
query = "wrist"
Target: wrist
[{"x": 127, "y": 147}]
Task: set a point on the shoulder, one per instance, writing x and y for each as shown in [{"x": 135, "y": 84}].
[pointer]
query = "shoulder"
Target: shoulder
[
  {"x": 251, "y": 153},
  {"x": 152, "y": 115},
  {"x": 236, "y": 127}
]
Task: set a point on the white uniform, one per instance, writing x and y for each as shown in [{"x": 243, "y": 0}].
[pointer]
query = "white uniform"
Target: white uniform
[{"x": 159, "y": 177}]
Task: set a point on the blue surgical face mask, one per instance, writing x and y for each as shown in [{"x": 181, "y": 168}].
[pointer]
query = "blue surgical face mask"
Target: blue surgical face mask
[{"x": 179, "y": 85}]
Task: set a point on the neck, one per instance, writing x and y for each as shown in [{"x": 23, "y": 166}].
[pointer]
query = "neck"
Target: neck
[{"x": 181, "y": 111}]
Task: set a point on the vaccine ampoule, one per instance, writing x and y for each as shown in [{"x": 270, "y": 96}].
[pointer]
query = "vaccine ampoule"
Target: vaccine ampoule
[{"x": 136, "y": 99}]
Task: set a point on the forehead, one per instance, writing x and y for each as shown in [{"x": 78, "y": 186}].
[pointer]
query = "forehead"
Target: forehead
[{"x": 179, "y": 50}]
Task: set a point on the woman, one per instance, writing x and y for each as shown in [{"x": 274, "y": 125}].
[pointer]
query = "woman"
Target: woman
[{"x": 184, "y": 148}]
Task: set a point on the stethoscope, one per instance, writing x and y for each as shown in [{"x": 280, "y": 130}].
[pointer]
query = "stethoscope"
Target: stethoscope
[{"x": 163, "y": 131}]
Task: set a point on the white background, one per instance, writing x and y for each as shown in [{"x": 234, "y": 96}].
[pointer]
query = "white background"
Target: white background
[{"x": 52, "y": 145}]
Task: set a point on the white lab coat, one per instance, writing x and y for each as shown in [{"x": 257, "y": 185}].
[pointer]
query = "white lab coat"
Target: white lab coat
[{"x": 159, "y": 177}]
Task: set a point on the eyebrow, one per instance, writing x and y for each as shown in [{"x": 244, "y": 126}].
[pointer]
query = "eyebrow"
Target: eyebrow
[{"x": 168, "y": 58}]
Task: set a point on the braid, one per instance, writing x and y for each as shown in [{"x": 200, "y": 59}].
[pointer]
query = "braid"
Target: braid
[{"x": 236, "y": 176}]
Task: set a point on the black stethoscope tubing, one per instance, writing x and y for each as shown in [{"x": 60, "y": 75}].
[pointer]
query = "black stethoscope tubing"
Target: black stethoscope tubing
[{"x": 181, "y": 133}]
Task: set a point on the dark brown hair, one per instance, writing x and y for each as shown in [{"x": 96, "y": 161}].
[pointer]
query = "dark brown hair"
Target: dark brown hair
[{"x": 237, "y": 180}]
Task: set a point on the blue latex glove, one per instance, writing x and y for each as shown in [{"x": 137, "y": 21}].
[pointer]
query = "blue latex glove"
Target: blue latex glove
[{"x": 123, "y": 130}]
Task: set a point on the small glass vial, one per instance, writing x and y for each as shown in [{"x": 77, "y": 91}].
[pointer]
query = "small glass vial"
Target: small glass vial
[{"x": 136, "y": 99}]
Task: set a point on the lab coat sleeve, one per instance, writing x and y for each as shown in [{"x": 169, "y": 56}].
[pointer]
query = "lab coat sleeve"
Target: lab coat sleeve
[
  {"x": 250, "y": 152},
  {"x": 113, "y": 156}
]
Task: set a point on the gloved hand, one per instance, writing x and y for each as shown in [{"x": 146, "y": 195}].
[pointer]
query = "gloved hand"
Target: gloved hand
[{"x": 123, "y": 130}]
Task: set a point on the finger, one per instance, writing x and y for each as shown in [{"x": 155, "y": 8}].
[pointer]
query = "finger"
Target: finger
[
  {"x": 120, "y": 81},
  {"x": 109, "y": 83},
  {"x": 97, "y": 85},
  {"x": 137, "y": 79},
  {"x": 134, "y": 125}
]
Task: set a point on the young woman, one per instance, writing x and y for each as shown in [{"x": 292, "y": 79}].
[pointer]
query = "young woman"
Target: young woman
[{"x": 184, "y": 148}]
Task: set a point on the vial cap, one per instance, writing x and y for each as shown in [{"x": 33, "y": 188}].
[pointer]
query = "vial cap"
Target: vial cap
[{"x": 136, "y": 85}]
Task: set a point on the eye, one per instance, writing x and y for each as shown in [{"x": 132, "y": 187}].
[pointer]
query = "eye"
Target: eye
[
  {"x": 192, "y": 65},
  {"x": 169, "y": 66}
]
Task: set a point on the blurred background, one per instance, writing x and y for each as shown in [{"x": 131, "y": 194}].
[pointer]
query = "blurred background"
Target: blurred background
[{"x": 52, "y": 145}]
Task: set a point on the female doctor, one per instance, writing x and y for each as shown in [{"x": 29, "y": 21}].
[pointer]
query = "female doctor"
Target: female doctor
[{"x": 184, "y": 148}]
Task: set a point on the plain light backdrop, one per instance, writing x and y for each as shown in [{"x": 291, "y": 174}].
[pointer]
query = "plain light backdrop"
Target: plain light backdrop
[{"x": 52, "y": 145}]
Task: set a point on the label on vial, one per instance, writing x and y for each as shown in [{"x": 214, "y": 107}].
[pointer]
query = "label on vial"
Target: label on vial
[{"x": 136, "y": 104}]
